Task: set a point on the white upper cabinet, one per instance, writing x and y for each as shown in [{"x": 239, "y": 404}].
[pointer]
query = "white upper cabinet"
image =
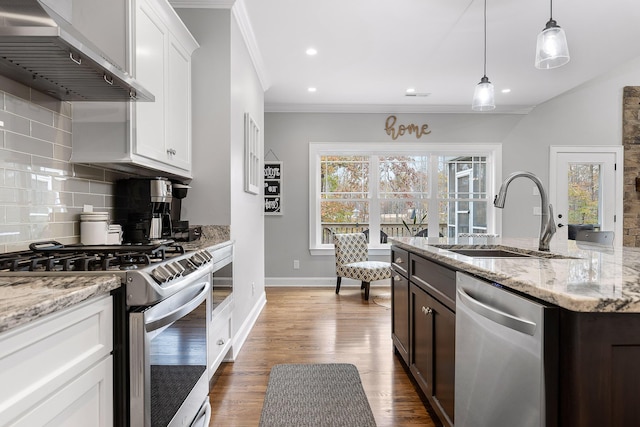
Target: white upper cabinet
[{"x": 145, "y": 137}]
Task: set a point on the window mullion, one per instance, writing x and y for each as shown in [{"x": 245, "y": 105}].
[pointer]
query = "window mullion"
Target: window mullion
[
  {"x": 374, "y": 201},
  {"x": 433, "y": 216}
]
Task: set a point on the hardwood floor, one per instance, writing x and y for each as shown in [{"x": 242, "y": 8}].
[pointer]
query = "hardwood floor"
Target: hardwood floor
[{"x": 314, "y": 325}]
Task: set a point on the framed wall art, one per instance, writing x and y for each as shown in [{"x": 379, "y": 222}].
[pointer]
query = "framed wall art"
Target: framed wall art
[{"x": 273, "y": 188}]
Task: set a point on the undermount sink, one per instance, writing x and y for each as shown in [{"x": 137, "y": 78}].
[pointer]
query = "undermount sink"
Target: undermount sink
[
  {"x": 491, "y": 253},
  {"x": 500, "y": 252}
]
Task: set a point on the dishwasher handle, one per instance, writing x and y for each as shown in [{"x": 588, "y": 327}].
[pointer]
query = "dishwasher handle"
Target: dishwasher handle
[{"x": 498, "y": 316}]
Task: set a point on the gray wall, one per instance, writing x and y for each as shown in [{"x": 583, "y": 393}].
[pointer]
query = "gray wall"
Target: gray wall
[
  {"x": 588, "y": 115},
  {"x": 225, "y": 86}
]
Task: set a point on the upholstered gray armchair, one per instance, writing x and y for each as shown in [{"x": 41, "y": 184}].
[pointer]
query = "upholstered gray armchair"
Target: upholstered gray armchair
[{"x": 352, "y": 261}]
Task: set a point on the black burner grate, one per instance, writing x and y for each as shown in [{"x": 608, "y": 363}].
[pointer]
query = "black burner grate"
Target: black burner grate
[{"x": 54, "y": 256}]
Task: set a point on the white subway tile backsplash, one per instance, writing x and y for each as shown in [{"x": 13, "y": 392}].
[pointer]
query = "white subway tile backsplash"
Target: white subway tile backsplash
[
  {"x": 96, "y": 200},
  {"x": 100, "y": 187},
  {"x": 61, "y": 152},
  {"x": 41, "y": 192},
  {"x": 62, "y": 122},
  {"x": 51, "y": 134},
  {"x": 13, "y": 160},
  {"x": 51, "y": 166},
  {"x": 28, "y": 110},
  {"x": 88, "y": 172},
  {"x": 9, "y": 196},
  {"x": 27, "y": 144},
  {"x": 15, "y": 123},
  {"x": 73, "y": 185}
]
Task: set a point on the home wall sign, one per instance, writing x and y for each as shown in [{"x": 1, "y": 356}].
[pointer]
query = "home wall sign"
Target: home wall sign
[
  {"x": 272, "y": 188},
  {"x": 418, "y": 130}
]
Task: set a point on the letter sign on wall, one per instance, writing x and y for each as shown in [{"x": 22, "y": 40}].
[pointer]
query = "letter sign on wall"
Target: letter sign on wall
[{"x": 273, "y": 188}]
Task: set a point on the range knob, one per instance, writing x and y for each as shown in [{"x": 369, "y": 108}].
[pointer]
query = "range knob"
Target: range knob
[
  {"x": 198, "y": 258},
  {"x": 207, "y": 256},
  {"x": 175, "y": 268},
  {"x": 161, "y": 274}
]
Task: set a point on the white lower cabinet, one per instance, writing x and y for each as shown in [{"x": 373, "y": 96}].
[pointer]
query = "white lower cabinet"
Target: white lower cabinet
[{"x": 58, "y": 370}]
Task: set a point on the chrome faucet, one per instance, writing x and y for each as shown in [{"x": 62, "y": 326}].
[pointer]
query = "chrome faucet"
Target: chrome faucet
[{"x": 547, "y": 225}]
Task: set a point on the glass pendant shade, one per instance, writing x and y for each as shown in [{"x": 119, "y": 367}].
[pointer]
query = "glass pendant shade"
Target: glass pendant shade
[
  {"x": 483, "y": 99},
  {"x": 551, "y": 49}
]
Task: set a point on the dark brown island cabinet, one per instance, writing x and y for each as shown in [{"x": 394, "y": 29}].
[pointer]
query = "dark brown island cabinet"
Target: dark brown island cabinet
[
  {"x": 598, "y": 381},
  {"x": 423, "y": 326}
]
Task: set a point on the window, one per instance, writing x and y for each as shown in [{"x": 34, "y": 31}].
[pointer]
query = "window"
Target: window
[{"x": 399, "y": 190}]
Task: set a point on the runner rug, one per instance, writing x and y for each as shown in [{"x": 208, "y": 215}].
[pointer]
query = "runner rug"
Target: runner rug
[{"x": 316, "y": 395}]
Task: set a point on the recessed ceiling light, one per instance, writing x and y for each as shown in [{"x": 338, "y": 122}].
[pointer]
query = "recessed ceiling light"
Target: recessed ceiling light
[
  {"x": 312, "y": 89},
  {"x": 506, "y": 90},
  {"x": 311, "y": 51},
  {"x": 411, "y": 90}
]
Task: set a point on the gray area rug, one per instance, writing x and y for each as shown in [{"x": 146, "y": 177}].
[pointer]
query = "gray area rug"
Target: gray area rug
[{"x": 316, "y": 395}]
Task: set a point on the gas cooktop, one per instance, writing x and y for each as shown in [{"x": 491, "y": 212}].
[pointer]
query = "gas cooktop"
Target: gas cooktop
[
  {"x": 52, "y": 256},
  {"x": 150, "y": 272}
]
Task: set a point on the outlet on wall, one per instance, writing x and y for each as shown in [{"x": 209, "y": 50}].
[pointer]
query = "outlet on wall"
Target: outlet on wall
[
  {"x": 253, "y": 288},
  {"x": 296, "y": 264}
]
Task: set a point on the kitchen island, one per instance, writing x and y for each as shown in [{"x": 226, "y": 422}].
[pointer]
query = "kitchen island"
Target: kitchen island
[{"x": 596, "y": 290}]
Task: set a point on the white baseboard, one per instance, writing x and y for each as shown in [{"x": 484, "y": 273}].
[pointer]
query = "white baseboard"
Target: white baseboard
[
  {"x": 240, "y": 337},
  {"x": 329, "y": 282}
]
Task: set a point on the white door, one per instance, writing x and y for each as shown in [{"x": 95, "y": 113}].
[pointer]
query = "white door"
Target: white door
[{"x": 586, "y": 189}]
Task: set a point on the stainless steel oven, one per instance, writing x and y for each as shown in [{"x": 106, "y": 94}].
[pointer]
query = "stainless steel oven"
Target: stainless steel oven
[
  {"x": 168, "y": 359},
  {"x": 161, "y": 316}
]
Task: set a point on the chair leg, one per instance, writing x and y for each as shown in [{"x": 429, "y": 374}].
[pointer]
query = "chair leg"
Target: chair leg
[
  {"x": 338, "y": 285},
  {"x": 366, "y": 285}
]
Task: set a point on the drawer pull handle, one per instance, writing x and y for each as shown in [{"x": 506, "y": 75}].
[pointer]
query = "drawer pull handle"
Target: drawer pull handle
[
  {"x": 399, "y": 261},
  {"x": 397, "y": 278},
  {"x": 220, "y": 342},
  {"x": 426, "y": 310}
]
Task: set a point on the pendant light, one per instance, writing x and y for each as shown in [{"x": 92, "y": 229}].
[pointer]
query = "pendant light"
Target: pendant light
[
  {"x": 552, "y": 50},
  {"x": 483, "y": 96}
]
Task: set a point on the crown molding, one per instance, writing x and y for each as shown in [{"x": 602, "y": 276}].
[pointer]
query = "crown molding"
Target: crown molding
[
  {"x": 239, "y": 11},
  {"x": 389, "y": 108},
  {"x": 202, "y": 4}
]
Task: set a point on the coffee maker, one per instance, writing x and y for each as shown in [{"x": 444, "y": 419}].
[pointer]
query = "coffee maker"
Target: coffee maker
[{"x": 143, "y": 208}]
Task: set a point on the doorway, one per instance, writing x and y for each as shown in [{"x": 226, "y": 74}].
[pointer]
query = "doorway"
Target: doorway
[{"x": 585, "y": 186}]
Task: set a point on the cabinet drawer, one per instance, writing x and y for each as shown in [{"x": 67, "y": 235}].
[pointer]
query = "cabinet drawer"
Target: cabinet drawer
[
  {"x": 435, "y": 279},
  {"x": 400, "y": 260},
  {"x": 219, "y": 337}
]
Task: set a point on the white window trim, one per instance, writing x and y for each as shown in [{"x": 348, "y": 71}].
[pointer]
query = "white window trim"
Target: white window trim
[{"x": 493, "y": 151}]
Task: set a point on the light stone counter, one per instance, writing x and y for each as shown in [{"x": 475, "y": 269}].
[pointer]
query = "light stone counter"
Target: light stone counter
[
  {"x": 212, "y": 235},
  {"x": 593, "y": 279},
  {"x": 23, "y": 299}
]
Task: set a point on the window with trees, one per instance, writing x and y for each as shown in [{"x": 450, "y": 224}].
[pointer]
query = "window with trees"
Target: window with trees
[{"x": 399, "y": 190}]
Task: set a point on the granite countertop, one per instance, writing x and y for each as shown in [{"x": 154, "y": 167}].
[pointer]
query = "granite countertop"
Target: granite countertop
[
  {"x": 212, "y": 235},
  {"x": 584, "y": 278},
  {"x": 26, "y": 298}
]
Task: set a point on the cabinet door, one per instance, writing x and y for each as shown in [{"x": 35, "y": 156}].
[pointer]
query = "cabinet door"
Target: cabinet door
[
  {"x": 87, "y": 400},
  {"x": 400, "y": 315},
  {"x": 178, "y": 143},
  {"x": 150, "y": 121},
  {"x": 432, "y": 355}
]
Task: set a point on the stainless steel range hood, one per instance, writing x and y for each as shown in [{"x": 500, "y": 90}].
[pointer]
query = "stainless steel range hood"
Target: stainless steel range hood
[{"x": 41, "y": 49}]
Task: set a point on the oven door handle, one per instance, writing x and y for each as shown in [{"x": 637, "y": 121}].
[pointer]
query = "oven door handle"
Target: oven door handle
[{"x": 179, "y": 312}]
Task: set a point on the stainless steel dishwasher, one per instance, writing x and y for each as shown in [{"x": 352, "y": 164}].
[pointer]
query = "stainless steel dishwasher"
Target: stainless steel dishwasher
[{"x": 506, "y": 357}]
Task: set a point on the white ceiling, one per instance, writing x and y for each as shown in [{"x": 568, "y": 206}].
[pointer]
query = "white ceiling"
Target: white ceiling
[{"x": 371, "y": 51}]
